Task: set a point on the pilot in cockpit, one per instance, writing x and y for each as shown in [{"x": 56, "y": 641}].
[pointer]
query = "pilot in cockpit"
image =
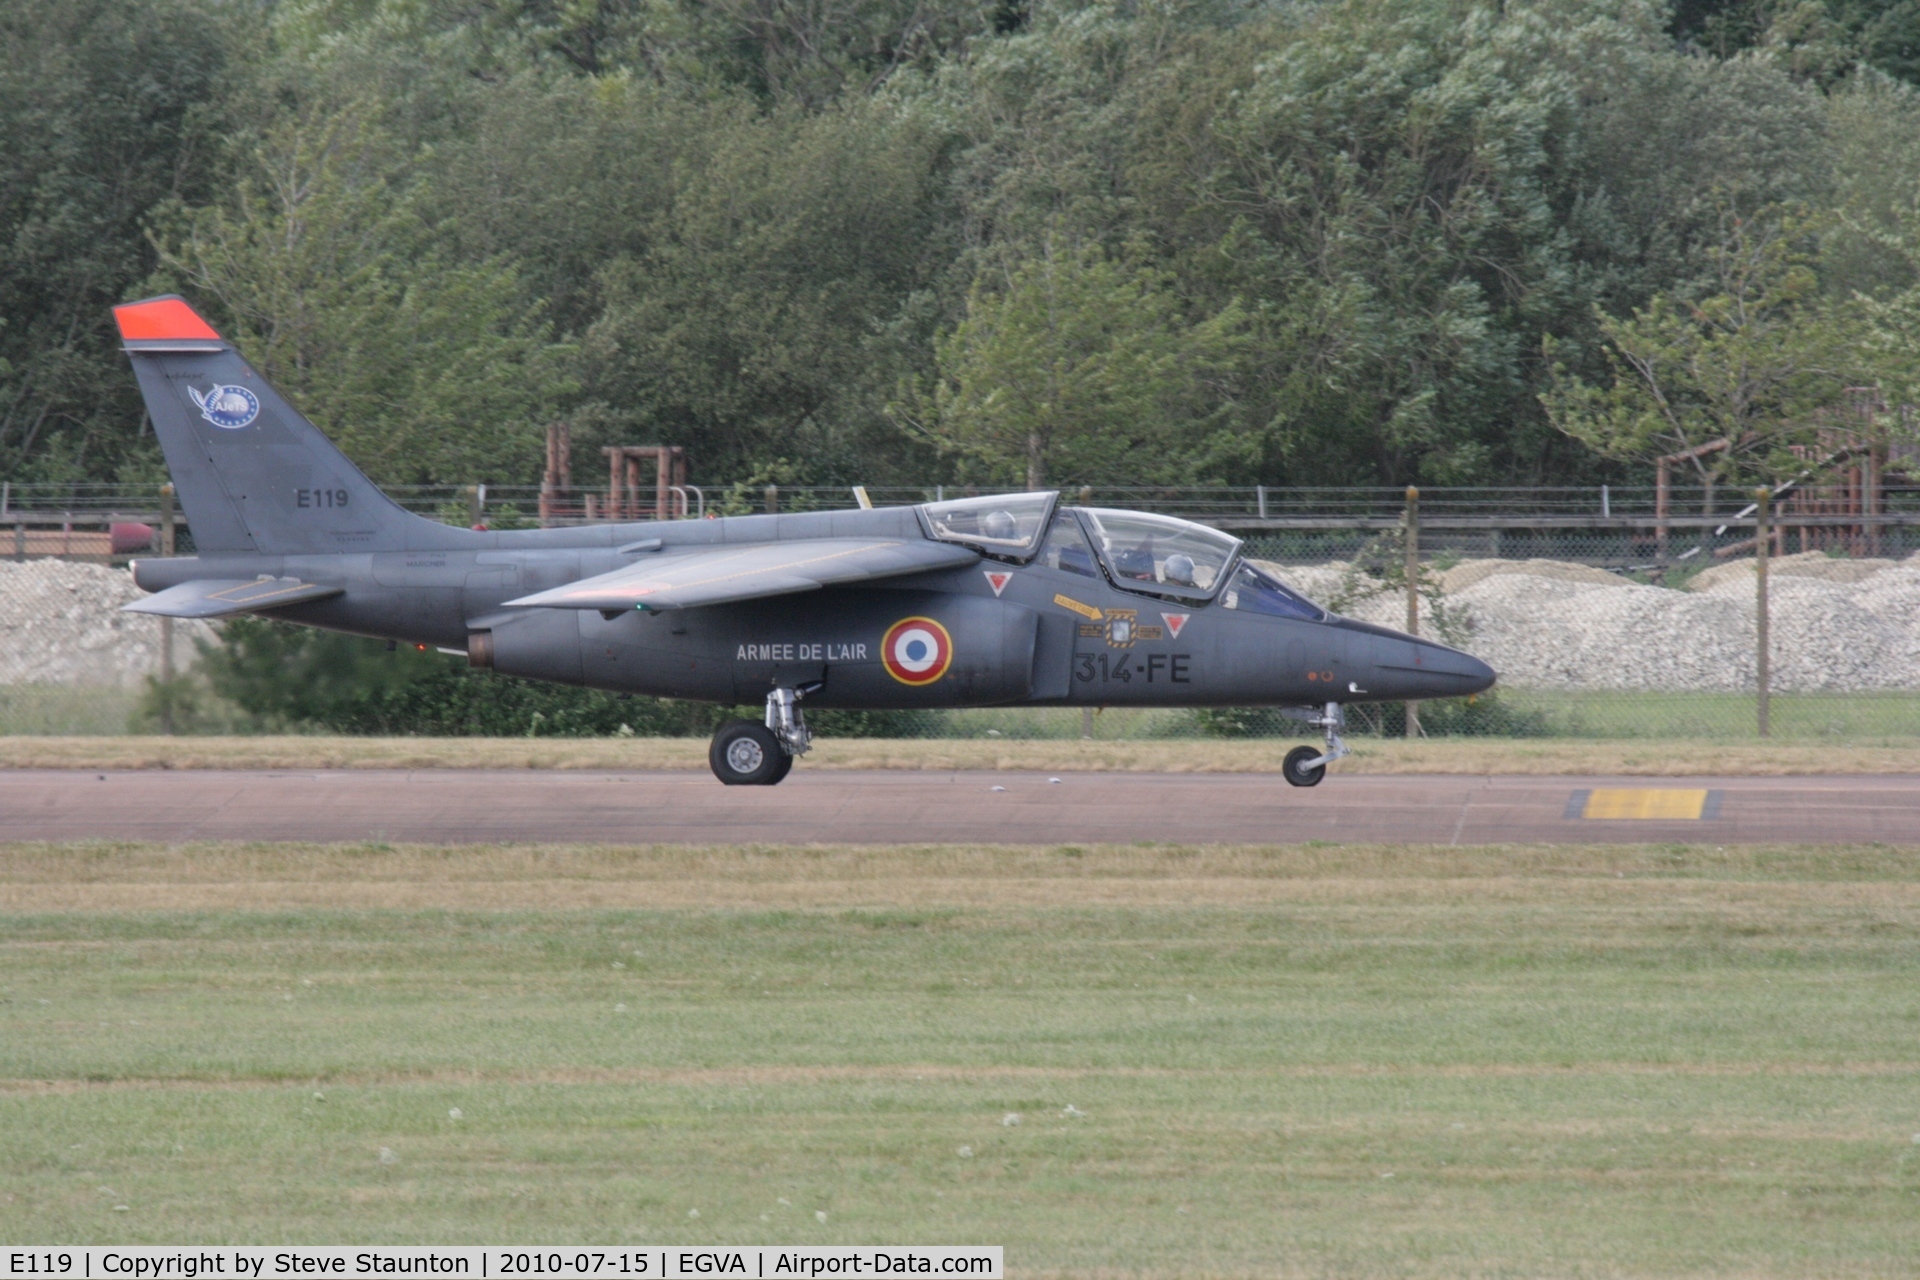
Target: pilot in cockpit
[
  {"x": 1000, "y": 525},
  {"x": 1135, "y": 563}
]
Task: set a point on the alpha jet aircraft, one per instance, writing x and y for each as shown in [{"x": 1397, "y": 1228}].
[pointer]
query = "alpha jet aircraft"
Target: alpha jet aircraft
[{"x": 1013, "y": 600}]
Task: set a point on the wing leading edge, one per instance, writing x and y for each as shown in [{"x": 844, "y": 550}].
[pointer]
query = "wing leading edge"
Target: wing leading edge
[{"x": 723, "y": 574}]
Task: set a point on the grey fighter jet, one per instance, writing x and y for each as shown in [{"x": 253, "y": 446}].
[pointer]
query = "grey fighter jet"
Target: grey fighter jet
[{"x": 1012, "y": 600}]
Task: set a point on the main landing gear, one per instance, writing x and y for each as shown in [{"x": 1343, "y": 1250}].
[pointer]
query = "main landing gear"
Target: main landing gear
[
  {"x": 745, "y": 754},
  {"x": 1305, "y": 766}
]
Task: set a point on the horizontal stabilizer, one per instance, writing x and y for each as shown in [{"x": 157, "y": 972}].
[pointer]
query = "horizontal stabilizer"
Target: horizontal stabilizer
[
  {"x": 723, "y": 574},
  {"x": 218, "y": 597}
]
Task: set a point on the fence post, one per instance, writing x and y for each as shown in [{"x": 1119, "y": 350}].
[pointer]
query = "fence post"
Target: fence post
[
  {"x": 1661, "y": 494},
  {"x": 166, "y": 623},
  {"x": 1413, "y": 590},
  {"x": 1260, "y": 500},
  {"x": 1763, "y": 658}
]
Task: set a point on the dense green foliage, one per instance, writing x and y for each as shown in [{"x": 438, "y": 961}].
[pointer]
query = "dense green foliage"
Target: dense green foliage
[
  {"x": 1287, "y": 241},
  {"x": 267, "y": 675}
]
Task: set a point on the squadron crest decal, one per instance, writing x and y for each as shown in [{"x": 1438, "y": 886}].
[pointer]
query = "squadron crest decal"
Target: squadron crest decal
[
  {"x": 226, "y": 406},
  {"x": 916, "y": 651}
]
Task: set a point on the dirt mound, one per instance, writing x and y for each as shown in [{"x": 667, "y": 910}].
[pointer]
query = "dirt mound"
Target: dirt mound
[
  {"x": 60, "y": 624},
  {"x": 1806, "y": 564},
  {"x": 1838, "y": 625},
  {"x": 1466, "y": 574}
]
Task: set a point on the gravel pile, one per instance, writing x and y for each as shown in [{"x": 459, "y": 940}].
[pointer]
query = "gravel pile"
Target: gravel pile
[
  {"x": 60, "y": 624},
  {"x": 1838, "y": 625}
]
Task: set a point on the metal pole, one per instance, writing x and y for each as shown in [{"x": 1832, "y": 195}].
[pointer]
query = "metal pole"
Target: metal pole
[
  {"x": 1763, "y": 665},
  {"x": 1874, "y": 481},
  {"x": 1413, "y": 590},
  {"x": 166, "y": 623},
  {"x": 1260, "y": 500},
  {"x": 1660, "y": 497}
]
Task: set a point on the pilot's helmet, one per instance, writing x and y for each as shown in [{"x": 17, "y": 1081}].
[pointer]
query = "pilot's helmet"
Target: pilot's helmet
[
  {"x": 1179, "y": 569},
  {"x": 1134, "y": 563},
  {"x": 1001, "y": 525}
]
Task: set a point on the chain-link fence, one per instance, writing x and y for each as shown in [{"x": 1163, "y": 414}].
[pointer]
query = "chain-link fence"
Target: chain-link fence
[{"x": 1607, "y": 613}]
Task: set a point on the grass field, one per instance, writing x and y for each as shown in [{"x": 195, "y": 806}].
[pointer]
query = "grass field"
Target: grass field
[
  {"x": 1537, "y": 756},
  {"x": 64, "y": 709},
  {"x": 1224, "y": 1061},
  {"x": 1849, "y": 718}
]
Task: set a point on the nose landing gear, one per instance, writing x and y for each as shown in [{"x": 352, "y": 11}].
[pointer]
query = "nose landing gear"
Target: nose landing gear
[
  {"x": 1304, "y": 766},
  {"x": 745, "y": 754}
]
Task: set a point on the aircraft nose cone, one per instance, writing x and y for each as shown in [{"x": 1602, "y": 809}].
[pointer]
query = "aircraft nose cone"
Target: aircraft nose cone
[
  {"x": 1420, "y": 669},
  {"x": 1403, "y": 666},
  {"x": 1449, "y": 670},
  {"x": 1476, "y": 674}
]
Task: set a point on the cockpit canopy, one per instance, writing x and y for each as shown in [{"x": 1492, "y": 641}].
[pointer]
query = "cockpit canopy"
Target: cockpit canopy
[
  {"x": 1007, "y": 524},
  {"x": 1159, "y": 554}
]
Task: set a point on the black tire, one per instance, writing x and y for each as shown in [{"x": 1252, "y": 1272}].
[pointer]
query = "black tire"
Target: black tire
[
  {"x": 781, "y": 770},
  {"x": 1294, "y": 769},
  {"x": 745, "y": 754}
]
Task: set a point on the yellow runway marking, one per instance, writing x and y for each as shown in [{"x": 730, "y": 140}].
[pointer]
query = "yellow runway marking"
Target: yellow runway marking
[{"x": 1645, "y": 802}]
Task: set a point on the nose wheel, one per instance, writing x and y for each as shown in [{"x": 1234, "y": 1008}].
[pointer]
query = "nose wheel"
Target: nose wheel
[
  {"x": 1299, "y": 770},
  {"x": 1305, "y": 766}
]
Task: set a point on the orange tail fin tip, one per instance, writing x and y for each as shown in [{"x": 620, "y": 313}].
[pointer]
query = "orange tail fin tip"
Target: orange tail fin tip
[{"x": 164, "y": 318}]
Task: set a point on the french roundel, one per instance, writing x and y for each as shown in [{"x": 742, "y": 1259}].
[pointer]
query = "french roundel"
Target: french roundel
[{"x": 916, "y": 651}]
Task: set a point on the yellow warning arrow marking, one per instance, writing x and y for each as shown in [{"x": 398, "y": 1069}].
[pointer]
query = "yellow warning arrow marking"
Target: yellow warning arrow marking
[{"x": 1084, "y": 610}]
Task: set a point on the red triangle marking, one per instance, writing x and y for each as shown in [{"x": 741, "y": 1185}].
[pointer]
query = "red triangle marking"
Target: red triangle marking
[
  {"x": 998, "y": 581},
  {"x": 1175, "y": 621}
]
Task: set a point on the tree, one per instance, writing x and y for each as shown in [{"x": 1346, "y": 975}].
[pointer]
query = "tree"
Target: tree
[
  {"x": 423, "y": 368},
  {"x": 1738, "y": 381},
  {"x": 750, "y": 322},
  {"x": 1075, "y": 365},
  {"x": 107, "y": 108}
]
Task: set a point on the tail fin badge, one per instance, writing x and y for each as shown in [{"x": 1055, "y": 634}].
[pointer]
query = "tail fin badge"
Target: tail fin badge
[{"x": 228, "y": 407}]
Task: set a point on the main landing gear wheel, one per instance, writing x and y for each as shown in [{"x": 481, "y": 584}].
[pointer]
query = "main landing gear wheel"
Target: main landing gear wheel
[
  {"x": 1294, "y": 767},
  {"x": 745, "y": 754}
]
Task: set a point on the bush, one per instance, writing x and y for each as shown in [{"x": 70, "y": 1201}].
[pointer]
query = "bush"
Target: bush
[
  {"x": 284, "y": 677},
  {"x": 1481, "y": 716}
]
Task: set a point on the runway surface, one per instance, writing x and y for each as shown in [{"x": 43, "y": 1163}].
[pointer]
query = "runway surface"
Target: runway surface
[{"x": 885, "y": 807}]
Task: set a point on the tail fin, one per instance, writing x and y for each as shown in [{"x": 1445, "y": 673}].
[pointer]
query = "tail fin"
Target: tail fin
[{"x": 253, "y": 475}]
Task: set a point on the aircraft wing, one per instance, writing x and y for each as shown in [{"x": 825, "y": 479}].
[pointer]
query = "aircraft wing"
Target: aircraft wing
[
  {"x": 218, "y": 597},
  {"x": 722, "y": 574}
]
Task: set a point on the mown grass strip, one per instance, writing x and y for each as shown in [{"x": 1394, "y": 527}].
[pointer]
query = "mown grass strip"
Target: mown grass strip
[{"x": 1669, "y": 1060}]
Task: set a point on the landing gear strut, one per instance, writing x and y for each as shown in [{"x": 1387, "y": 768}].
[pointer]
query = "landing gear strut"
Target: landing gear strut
[
  {"x": 1304, "y": 766},
  {"x": 745, "y": 754}
]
